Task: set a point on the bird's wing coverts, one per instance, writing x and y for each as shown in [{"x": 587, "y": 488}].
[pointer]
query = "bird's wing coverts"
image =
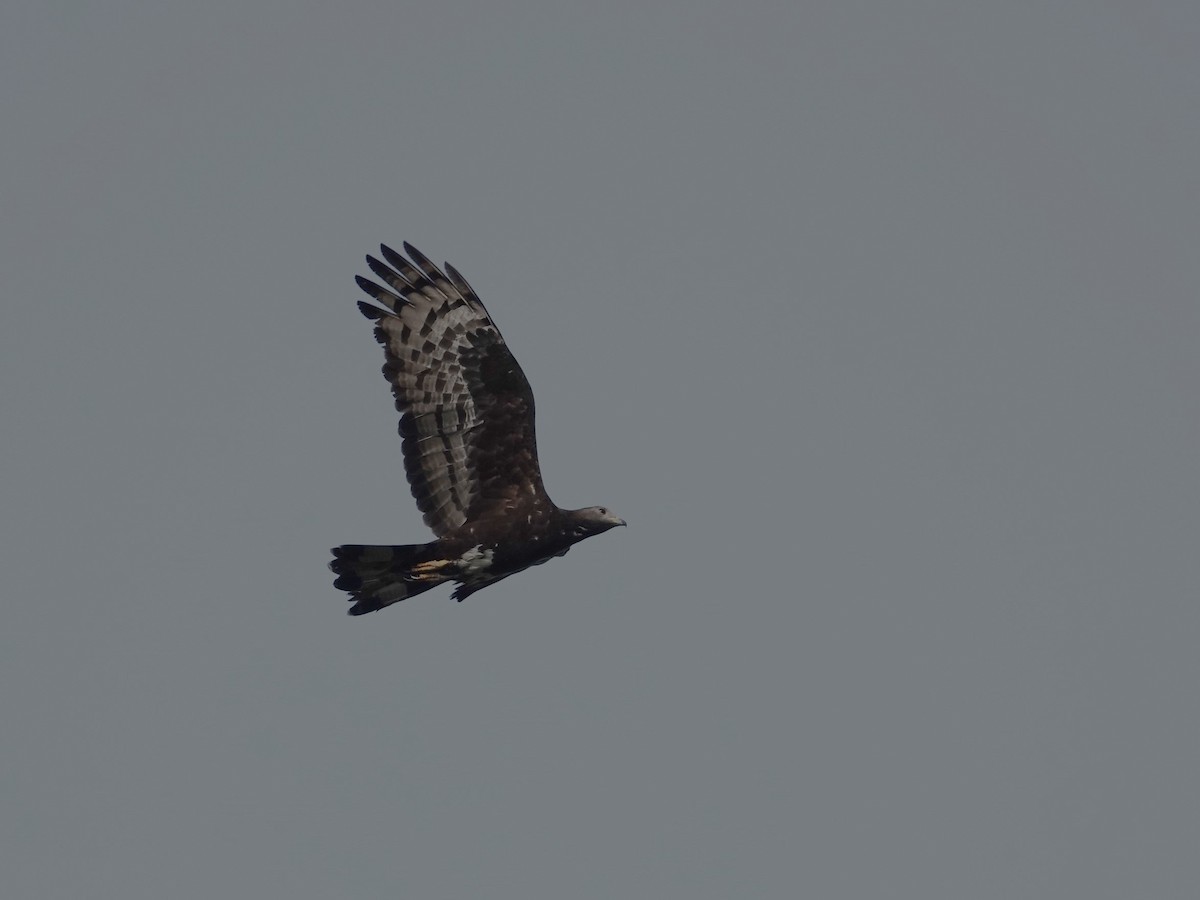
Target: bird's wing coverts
[{"x": 467, "y": 413}]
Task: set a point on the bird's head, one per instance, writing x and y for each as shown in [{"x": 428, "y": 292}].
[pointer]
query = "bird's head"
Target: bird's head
[{"x": 593, "y": 520}]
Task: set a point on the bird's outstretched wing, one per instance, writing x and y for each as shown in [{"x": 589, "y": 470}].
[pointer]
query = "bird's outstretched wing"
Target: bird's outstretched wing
[{"x": 467, "y": 411}]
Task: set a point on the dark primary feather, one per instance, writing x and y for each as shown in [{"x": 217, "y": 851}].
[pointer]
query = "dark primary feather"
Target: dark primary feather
[{"x": 467, "y": 410}]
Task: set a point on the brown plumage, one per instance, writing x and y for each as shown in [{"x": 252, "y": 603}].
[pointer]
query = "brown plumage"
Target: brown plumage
[{"x": 470, "y": 451}]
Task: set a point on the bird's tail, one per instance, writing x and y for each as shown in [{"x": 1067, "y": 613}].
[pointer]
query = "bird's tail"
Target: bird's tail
[{"x": 378, "y": 576}]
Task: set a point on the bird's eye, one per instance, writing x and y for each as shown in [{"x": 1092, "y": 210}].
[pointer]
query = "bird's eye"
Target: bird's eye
[{"x": 603, "y": 511}]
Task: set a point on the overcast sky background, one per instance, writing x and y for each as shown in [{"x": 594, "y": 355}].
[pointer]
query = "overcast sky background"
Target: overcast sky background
[{"x": 877, "y": 321}]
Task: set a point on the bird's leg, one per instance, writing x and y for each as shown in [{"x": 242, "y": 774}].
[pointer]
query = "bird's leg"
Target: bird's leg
[{"x": 431, "y": 570}]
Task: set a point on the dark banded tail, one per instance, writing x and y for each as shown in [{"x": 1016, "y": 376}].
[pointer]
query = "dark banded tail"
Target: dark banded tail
[{"x": 378, "y": 576}]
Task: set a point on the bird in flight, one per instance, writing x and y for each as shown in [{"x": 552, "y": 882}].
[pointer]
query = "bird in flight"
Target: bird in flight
[{"x": 470, "y": 451}]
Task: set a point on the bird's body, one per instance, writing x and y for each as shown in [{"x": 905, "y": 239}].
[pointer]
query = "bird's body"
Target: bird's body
[{"x": 470, "y": 449}]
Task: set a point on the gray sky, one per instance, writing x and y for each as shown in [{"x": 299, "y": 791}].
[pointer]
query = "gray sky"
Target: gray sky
[{"x": 877, "y": 321}]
